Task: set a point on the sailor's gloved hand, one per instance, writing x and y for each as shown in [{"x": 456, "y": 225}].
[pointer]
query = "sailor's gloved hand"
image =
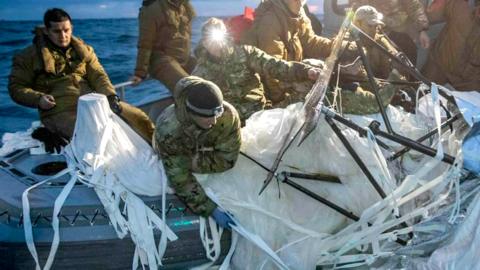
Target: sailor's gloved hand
[
  {"x": 53, "y": 142},
  {"x": 404, "y": 58},
  {"x": 114, "y": 102},
  {"x": 353, "y": 86},
  {"x": 222, "y": 219}
]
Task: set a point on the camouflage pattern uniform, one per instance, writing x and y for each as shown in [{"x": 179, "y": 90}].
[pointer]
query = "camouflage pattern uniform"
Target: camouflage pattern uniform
[
  {"x": 186, "y": 149},
  {"x": 404, "y": 20},
  {"x": 399, "y": 15},
  {"x": 164, "y": 41},
  {"x": 43, "y": 69},
  {"x": 285, "y": 36},
  {"x": 362, "y": 101},
  {"x": 237, "y": 75},
  {"x": 381, "y": 64}
]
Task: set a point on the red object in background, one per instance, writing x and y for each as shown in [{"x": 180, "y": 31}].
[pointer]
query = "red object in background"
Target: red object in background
[
  {"x": 436, "y": 5},
  {"x": 237, "y": 25}
]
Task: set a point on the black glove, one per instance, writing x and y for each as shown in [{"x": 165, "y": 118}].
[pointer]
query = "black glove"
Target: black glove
[
  {"x": 404, "y": 58},
  {"x": 114, "y": 102},
  {"x": 53, "y": 142},
  {"x": 353, "y": 86}
]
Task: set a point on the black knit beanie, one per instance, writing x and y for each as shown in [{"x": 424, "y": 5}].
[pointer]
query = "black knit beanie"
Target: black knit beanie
[{"x": 204, "y": 98}]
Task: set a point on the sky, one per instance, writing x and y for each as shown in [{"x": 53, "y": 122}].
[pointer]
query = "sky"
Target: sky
[{"x": 83, "y": 9}]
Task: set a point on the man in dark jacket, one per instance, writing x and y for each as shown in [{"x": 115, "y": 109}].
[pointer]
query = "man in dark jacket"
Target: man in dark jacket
[
  {"x": 53, "y": 72},
  {"x": 165, "y": 28},
  {"x": 455, "y": 54}
]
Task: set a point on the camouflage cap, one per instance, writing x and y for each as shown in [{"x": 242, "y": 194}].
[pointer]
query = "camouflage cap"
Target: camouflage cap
[{"x": 368, "y": 15}]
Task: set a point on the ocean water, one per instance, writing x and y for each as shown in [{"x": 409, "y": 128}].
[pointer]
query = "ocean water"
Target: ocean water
[{"x": 115, "y": 43}]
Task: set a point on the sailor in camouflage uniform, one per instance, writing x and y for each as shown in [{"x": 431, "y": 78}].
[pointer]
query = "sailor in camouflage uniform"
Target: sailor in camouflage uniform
[
  {"x": 200, "y": 133},
  {"x": 405, "y": 22},
  {"x": 358, "y": 98},
  {"x": 236, "y": 69}
]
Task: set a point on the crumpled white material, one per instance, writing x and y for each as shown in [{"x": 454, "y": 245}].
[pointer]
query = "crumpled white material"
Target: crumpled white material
[
  {"x": 305, "y": 232},
  {"x": 471, "y": 149},
  {"x": 464, "y": 249},
  {"x": 293, "y": 216},
  {"x": 302, "y": 231},
  {"x": 106, "y": 154},
  {"x": 21, "y": 140},
  {"x": 469, "y": 104}
]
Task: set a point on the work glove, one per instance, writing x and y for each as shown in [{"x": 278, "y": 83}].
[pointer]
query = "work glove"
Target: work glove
[
  {"x": 352, "y": 86},
  {"x": 222, "y": 218},
  {"x": 52, "y": 141},
  {"x": 114, "y": 102}
]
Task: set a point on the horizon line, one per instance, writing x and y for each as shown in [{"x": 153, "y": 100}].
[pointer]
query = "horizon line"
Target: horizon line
[{"x": 110, "y": 18}]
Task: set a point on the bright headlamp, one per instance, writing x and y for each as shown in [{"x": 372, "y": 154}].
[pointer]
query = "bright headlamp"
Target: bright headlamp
[{"x": 218, "y": 35}]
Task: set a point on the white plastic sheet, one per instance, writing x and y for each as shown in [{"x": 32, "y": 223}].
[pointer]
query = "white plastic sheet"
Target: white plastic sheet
[
  {"x": 294, "y": 216},
  {"x": 21, "y": 140},
  {"x": 108, "y": 155},
  {"x": 303, "y": 231},
  {"x": 120, "y": 165}
]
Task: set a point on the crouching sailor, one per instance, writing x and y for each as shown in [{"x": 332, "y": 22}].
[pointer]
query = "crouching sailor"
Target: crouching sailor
[
  {"x": 200, "y": 133},
  {"x": 53, "y": 72}
]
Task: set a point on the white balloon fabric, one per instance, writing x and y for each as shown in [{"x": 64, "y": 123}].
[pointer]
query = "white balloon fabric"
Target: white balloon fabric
[
  {"x": 106, "y": 154},
  {"x": 101, "y": 133},
  {"x": 121, "y": 165},
  {"x": 305, "y": 232}
]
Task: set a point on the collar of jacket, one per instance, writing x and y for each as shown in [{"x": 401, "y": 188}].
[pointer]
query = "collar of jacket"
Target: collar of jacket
[
  {"x": 45, "y": 50},
  {"x": 281, "y": 11},
  {"x": 202, "y": 53},
  {"x": 280, "y": 5},
  {"x": 177, "y": 3}
]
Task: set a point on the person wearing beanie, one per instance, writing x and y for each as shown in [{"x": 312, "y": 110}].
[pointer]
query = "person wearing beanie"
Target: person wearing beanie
[
  {"x": 282, "y": 29},
  {"x": 237, "y": 68},
  {"x": 200, "y": 133}
]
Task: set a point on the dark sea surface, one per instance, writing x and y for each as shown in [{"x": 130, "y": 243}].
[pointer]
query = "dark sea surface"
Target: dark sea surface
[{"x": 115, "y": 43}]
